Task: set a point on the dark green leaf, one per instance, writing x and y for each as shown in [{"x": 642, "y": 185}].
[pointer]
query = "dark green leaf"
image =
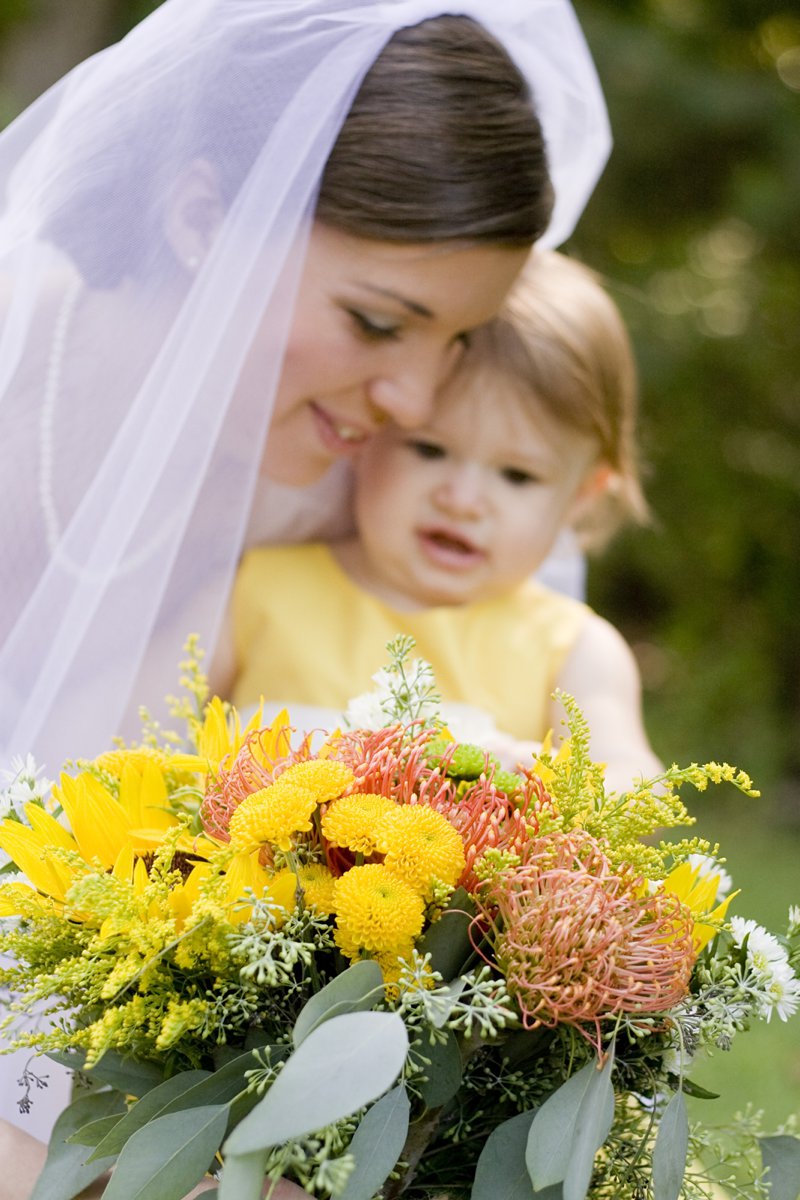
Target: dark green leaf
[
  {"x": 444, "y": 1073},
  {"x": 378, "y": 1143},
  {"x": 781, "y": 1158},
  {"x": 165, "y": 1159},
  {"x": 448, "y": 941},
  {"x": 357, "y": 989},
  {"x": 690, "y": 1088},
  {"x": 66, "y": 1172},
  {"x": 154, "y": 1103},
  {"x": 669, "y": 1152}
]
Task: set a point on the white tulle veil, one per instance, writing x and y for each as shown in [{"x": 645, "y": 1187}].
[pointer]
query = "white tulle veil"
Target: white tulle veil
[{"x": 128, "y": 461}]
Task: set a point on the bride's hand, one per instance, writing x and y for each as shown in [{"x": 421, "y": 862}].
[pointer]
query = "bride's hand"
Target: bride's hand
[
  {"x": 27, "y": 1155},
  {"x": 22, "y": 1157}
]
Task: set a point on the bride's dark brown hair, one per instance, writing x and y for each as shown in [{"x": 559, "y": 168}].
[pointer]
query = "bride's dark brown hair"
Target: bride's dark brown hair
[{"x": 442, "y": 142}]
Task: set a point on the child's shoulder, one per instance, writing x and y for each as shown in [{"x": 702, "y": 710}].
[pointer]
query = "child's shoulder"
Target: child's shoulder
[{"x": 538, "y": 596}]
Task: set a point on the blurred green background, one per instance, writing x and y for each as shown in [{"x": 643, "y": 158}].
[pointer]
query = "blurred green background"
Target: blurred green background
[{"x": 696, "y": 227}]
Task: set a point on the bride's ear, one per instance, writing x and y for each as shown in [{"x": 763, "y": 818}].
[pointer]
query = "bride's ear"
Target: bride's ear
[{"x": 194, "y": 213}]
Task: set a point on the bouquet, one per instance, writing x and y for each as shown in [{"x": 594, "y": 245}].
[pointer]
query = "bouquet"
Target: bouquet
[{"x": 373, "y": 962}]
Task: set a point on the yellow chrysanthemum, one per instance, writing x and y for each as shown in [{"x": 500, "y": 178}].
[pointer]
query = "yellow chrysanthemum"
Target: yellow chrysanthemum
[
  {"x": 422, "y": 847},
  {"x": 325, "y": 777},
  {"x": 272, "y": 815},
  {"x": 318, "y": 883},
  {"x": 355, "y": 821},
  {"x": 376, "y": 912},
  {"x": 698, "y": 892}
]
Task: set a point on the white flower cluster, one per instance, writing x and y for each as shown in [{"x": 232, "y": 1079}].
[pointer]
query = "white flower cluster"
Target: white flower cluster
[
  {"x": 706, "y": 864},
  {"x": 773, "y": 983},
  {"x": 402, "y": 693},
  {"x": 794, "y": 920},
  {"x": 21, "y": 784}
]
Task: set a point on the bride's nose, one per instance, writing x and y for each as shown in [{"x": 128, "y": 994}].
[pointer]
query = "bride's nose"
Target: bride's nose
[{"x": 406, "y": 390}]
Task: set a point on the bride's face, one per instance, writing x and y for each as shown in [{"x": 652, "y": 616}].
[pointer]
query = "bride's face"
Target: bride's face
[{"x": 377, "y": 327}]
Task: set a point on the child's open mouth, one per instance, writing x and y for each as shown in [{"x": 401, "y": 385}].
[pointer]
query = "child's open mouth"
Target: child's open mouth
[{"x": 448, "y": 548}]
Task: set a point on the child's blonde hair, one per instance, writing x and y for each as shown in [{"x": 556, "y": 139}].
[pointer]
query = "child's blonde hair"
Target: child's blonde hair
[{"x": 561, "y": 338}]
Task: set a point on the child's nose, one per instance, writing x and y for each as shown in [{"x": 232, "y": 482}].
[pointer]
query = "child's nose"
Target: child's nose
[{"x": 461, "y": 492}]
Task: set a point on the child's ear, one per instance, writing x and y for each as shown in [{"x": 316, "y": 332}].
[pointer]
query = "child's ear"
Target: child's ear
[
  {"x": 194, "y": 213},
  {"x": 600, "y": 481}
]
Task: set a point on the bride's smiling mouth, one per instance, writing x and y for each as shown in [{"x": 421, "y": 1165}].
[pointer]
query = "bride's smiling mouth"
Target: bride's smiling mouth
[{"x": 338, "y": 436}]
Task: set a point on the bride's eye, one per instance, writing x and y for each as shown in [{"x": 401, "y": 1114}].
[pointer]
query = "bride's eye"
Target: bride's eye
[
  {"x": 425, "y": 450},
  {"x": 373, "y": 329}
]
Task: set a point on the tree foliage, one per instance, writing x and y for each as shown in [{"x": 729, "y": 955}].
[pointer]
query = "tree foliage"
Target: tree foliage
[{"x": 694, "y": 225}]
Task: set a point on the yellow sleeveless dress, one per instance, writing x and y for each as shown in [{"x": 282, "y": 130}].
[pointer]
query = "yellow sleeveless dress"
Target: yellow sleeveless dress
[{"x": 304, "y": 633}]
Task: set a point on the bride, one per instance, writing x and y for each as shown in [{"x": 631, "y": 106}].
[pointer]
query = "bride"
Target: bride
[{"x": 230, "y": 247}]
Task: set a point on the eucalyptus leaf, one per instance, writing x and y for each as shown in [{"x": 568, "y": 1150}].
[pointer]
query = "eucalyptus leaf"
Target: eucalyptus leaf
[
  {"x": 501, "y": 1169},
  {"x": 222, "y": 1086},
  {"x": 243, "y": 1176},
  {"x": 66, "y": 1172},
  {"x": 131, "y": 1076},
  {"x": 444, "y": 1073},
  {"x": 781, "y": 1158},
  {"x": 165, "y": 1159},
  {"x": 378, "y": 1143},
  {"x": 357, "y": 989},
  {"x": 153, "y": 1104},
  {"x": 447, "y": 940},
  {"x": 552, "y": 1132},
  {"x": 595, "y": 1118},
  {"x": 670, "y": 1150},
  {"x": 342, "y": 1065},
  {"x": 93, "y": 1133},
  {"x": 245, "y": 1102}
]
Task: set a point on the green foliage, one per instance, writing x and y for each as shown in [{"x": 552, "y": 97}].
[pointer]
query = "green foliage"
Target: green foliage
[{"x": 694, "y": 226}]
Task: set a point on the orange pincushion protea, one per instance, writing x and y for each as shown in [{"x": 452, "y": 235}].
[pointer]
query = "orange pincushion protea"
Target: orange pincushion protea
[{"x": 577, "y": 940}]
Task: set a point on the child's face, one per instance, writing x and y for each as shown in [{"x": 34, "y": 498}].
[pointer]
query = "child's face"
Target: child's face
[{"x": 470, "y": 504}]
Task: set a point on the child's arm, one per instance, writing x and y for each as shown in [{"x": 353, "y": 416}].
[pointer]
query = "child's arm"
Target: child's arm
[{"x": 602, "y": 674}]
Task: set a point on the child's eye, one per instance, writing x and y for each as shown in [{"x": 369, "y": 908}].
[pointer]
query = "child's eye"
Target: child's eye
[
  {"x": 427, "y": 450},
  {"x": 516, "y": 477},
  {"x": 373, "y": 329}
]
